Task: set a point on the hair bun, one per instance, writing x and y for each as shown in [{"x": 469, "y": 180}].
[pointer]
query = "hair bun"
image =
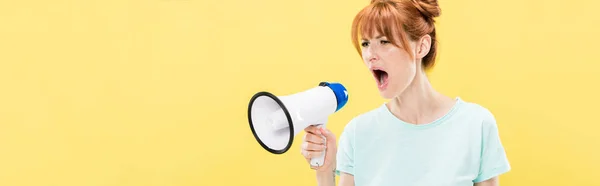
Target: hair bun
[{"x": 428, "y": 8}]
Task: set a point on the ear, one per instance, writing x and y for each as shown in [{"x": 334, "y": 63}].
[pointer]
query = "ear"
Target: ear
[{"x": 424, "y": 45}]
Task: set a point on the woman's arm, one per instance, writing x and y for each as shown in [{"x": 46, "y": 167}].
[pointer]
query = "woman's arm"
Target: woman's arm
[
  {"x": 325, "y": 179},
  {"x": 490, "y": 182},
  {"x": 328, "y": 179},
  {"x": 346, "y": 179}
]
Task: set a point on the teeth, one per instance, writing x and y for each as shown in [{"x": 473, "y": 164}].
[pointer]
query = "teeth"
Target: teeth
[{"x": 381, "y": 78}]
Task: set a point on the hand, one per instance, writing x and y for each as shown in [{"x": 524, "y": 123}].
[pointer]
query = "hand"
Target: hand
[{"x": 313, "y": 145}]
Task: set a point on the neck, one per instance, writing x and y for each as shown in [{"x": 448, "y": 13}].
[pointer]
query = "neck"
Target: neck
[{"x": 420, "y": 103}]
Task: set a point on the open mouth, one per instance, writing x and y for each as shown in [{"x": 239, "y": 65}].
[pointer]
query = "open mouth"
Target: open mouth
[{"x": 381, "y": 77}]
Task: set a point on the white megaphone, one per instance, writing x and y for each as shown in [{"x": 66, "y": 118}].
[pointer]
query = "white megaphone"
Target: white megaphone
[{"x": 276, "y": 120}]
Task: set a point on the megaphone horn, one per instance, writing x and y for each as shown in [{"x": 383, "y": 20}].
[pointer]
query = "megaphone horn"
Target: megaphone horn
[{"x": 275, "y": 120}]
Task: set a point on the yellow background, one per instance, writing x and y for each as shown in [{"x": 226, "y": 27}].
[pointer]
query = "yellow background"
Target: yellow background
[{"x": 155, "y": 92}]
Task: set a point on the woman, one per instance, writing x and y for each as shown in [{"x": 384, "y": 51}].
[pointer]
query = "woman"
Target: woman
[{"x": 420, "y": 137}]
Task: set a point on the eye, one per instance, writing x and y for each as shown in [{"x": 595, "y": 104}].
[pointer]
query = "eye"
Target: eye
[
  {"x": 364, "y": 44},
  {"x": 385, "y": 41}
]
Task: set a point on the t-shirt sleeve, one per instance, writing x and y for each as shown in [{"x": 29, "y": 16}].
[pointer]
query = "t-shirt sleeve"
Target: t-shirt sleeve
[
  {"x": 494, "y": 161},
  {"x": 345, "y": 153}
]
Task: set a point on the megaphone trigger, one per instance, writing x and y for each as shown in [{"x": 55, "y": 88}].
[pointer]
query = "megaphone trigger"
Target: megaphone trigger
[{"x": 320, "y": 160}]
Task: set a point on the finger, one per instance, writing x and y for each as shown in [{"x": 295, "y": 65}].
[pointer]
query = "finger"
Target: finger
[
  {"x": 313, "y": 146},
  {"x": 313, "y": 130},
  {"x": 314, "y": 139},
  {"x": 310, "y": 128},
  {"x": 307, "y": 154},
  {"x": 314, "y": 167},
  {"x": 311, "y": 154}
]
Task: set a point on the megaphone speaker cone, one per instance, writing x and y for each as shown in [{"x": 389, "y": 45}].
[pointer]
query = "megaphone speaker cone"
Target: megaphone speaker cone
[{"x": 270, "y": 122}]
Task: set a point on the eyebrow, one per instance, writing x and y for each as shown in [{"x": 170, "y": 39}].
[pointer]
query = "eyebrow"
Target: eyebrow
[{"x": 378, "y": 37}]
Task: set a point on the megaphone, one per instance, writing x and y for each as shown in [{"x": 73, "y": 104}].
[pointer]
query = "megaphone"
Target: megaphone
[{"x": 275, "y": 120}]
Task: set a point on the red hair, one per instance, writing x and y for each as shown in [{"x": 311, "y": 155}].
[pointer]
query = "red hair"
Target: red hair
[{"x": 399, "y": 21}]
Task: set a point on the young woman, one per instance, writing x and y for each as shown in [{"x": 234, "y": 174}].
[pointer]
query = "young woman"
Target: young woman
[{"x": 420, "y": 137}]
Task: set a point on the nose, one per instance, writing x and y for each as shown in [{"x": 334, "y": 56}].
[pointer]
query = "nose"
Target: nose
[{"x": 371, "y": 55}]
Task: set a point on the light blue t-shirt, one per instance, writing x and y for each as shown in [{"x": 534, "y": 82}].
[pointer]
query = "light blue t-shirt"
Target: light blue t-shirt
[{"x": 459, "y": 149}]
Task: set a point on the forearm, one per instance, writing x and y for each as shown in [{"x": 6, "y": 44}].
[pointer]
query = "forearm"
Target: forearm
[
  {"x": 325, "y": 178},
  {"x": 490, "y": 182}
]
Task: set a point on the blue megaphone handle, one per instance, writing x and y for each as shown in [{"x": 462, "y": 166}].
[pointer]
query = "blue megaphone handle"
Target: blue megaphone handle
[{"x": 341, "y": 94}]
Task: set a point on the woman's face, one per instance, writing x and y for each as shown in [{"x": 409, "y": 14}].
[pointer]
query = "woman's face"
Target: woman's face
[{"x": 392, "y": 67}]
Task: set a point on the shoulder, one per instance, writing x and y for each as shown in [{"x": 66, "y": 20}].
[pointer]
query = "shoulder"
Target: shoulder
[
  {"x": 365, "y": 118},
  {"x": 480, "y": 113},
  {"x": 479, "y": 121}
]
